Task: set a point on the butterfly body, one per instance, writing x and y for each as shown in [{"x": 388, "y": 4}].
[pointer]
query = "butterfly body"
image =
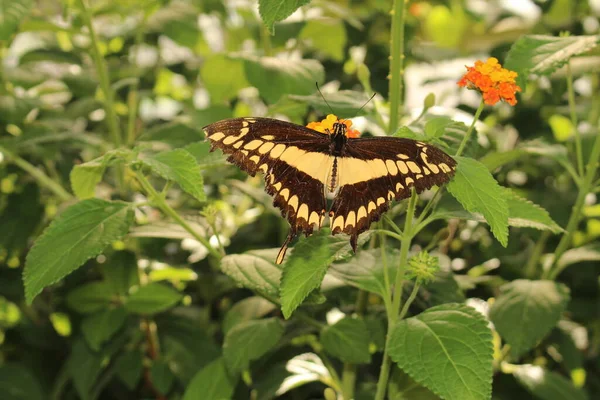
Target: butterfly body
[{"x": 301, "y": 165}]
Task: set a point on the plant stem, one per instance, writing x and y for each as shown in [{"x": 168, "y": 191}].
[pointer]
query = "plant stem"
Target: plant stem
[
  {"x": 349, "y": 372},
  {"x": 396, "y": 67},
  {"x": 410, "y": 299},
  {"x": 37, "y": 174},
  {"x": 102, "y": 70},
  {"x": 534, "y": 258},
  {"x": 571, "y": 96},
  {"x": 132, "y": 97},
  {"x": 161, "y": 203},
  {"x": 576, "y": 213},
  {"x": 397, "y": 296},
  {"x": 470, "y": 130}
]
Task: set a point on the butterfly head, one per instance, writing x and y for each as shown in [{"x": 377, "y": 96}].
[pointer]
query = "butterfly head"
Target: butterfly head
[{"x": 339, "y": 129}]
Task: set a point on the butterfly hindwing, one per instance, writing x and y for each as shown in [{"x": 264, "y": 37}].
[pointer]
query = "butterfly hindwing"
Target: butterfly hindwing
[{"x": 375, "y": 171}]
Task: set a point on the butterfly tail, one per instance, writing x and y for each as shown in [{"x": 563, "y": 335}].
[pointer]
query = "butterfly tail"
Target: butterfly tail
[
  {"x": 353, "y": 242},
  {"x": 284, "y": 247}
]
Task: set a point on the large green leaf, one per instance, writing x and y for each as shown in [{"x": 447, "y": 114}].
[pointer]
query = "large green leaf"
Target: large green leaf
[
  {"x": 315, "y": 30},
  {"x": 223, "y": 86},
  {"x": 447, "y": 349},
  {"x": 245, "y": 310},
  {"x": 129, "y": 368},
  {"x": 306, "y": 266},
  {"x": 477, "y": 190},
  {"x": 211, "y": 382},
  {"x": 84, "y": 177},
  {"x": 348, "y": 339},
  {"x": 403, "y": 387},
  {"x": 18, "y": 383},
  {"x": 526, "y": 214},
  {"x": 272, "y": 11},
  {"x": 152, "y": 299},
  {"x": 178, "y": 166},
  {"x": 12, "y": 13},
  {"x": 81, "y": 232},
  {"x": 99, "y": 328},
  {"x": 176, "y": 134},
  {"x": 365, "y": 271},
  {"x": 255, "y": 270},
  {"x": 527, "y": 310},
  {"x": 547, "y": 385},
  {"x": 85, "y": 367},
  {"x": 249, "y": 341},
  {"x": 90, "y": 297},
  {"x": 276, "y": 77},
  {"x": 541, "y": 54}
]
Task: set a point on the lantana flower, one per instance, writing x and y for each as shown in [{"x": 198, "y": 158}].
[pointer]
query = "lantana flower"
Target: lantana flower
[
  {"x": 326, "y": 126},
  {"x": 494, "y": 82}
]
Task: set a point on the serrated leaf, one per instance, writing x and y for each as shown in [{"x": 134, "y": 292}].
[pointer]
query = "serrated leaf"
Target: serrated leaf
[
  {"x": 364, "y": 271},
  {"x": 204, "y": 157},
  {"x": 178, "y": 166},
  {"x": 90, "y": 297},
  {"x": 18, "y": 383},
  {"x": 547, "y": 385},
  {"x": 129, "y": 367},
  {"x": 211, "y": 382},
  {"x": 84, "y": 178},
  {"x": 254, "y": 270},
  {"x": 526, "y": 214},
  {"x": 272, "y": 11},
  {"x": 306, "y": 266},
  {"x": 152, "y": 298},
  {"x": 81, "y": 232},
  {"x": 250, "y": 340},
  {"x": 436, "y": 127},
  {"x": 541, "y": 54},
  {"x": 477, "y": 190},
  {"x": 348, "y": 339},
  {"x": 447, "y": 349},
  {"x": 590, "y": 252},
  {"x": 98, "y": 328},
  {"x": 276, "y": 77},
  {"x": 12, "y": 13},
  {"x": 245, "y": 310},
  {"x": 333, "y": 29},
  {"x": 223, "y": 87},
  {"x": 527, "y": 310},
  {"x": 344, "y": 102},
  {"x": 176, "y": 134},
  {"x": 403, "y": 387}
]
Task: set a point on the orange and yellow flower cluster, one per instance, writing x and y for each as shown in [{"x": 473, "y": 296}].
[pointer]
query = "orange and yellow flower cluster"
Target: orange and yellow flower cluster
[
  {"x": 326, "y": 126},
  {"x": 493, "y": 81}
]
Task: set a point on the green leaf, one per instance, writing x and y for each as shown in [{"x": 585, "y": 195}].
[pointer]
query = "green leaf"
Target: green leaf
[
  {"x": 90, "y": 297},
  {"x": 176, "y": 134},
  {"x": 254, "y": 270},
  {"x": 223, "y": 87},
  {"x": 477, "y": 190},
  {"x": 348, "y": 339},
  {"x": 161, "y": 376},
  {"x": 204, "y": 157},
  {"x": 245, "y": 310},
  {"x": 81, "y": 232},
  {"x": 85, "y": 367},
  {"x": 547, "y": 385},
  {"x": 344, "y": 102},
  {"x": 18, "y": 383},
  {"x": 12, "y": 13},
  {"x": 403, "y": 387},
  {"x": 557, "y": 152},
  {"x": 526, "y": 214},
  {"x": 99, "y": 328},
  {"x": 211, "y": 382},
  {"x": 272, "y": 11},
  {"x": 276, "y": 77},
  {"x": 436, "y": 127},
  {"x": 306, "y": 266},
  {"x": 152, "y": 298},
  {"x": 178, "y": 166},
  {"x": 121, "y": 272},
  {"x": 333, "y": 29},
  {"x": 129, "y": 367},
  {"x": 447, "y": 349},
  {"x": 249, "y": 341},
  {"x": 526, "y": 311},
  {"x": 542, "y": 55},
  {"x": 84, "y": 177},
  {"x": 364, "y": 271},
  {"x": 590, "y": 252}
]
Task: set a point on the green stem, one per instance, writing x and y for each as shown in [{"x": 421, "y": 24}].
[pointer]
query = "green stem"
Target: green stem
[
  {"x": 410, "y": 299},
  {"x": 576, "y": 213},
  {"x": 396, "y": 67},
  {"x": 388, "y": 233},
  {"x": 571, "y": 94},
  {"x": 132, "y": 97},
  {"x": 536, "y": 253},
  {"x": 349, "y": 372},
  {"x": 37, "y": 174},
  {"x": 102, "y": 70},
  {"x": 397, "y": 297},
  {"x": 470, "y": 130},
  {"x": 161, "y": 203}
]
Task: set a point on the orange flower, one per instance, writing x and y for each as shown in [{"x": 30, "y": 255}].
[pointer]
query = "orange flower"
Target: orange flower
[
  {"x": 326, "y": 126},
  {"x": 493, "y": 81}
]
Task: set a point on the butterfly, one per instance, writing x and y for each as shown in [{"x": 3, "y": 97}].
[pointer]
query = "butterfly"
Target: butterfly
[{"x": 302, "y": 166}]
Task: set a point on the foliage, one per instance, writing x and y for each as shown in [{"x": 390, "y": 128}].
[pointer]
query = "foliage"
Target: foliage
[{"x": 135, "y": 263}]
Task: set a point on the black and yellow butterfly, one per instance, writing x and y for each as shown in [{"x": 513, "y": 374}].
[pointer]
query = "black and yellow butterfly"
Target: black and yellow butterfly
[{"x": 301, "y": 165}]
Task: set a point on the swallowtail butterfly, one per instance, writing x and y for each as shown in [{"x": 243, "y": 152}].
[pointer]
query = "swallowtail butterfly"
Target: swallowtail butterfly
[{"x": 302, "y": 165}]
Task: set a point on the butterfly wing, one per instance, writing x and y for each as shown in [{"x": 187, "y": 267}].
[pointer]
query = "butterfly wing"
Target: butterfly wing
[
  {"x": 374, "y": 171},
  {"x": 294, "y": 159}
]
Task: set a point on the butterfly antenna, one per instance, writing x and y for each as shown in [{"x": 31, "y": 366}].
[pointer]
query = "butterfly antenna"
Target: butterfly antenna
[
  {"x": 324, "y": 99},
  {"x": 364, "y": 105}
]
